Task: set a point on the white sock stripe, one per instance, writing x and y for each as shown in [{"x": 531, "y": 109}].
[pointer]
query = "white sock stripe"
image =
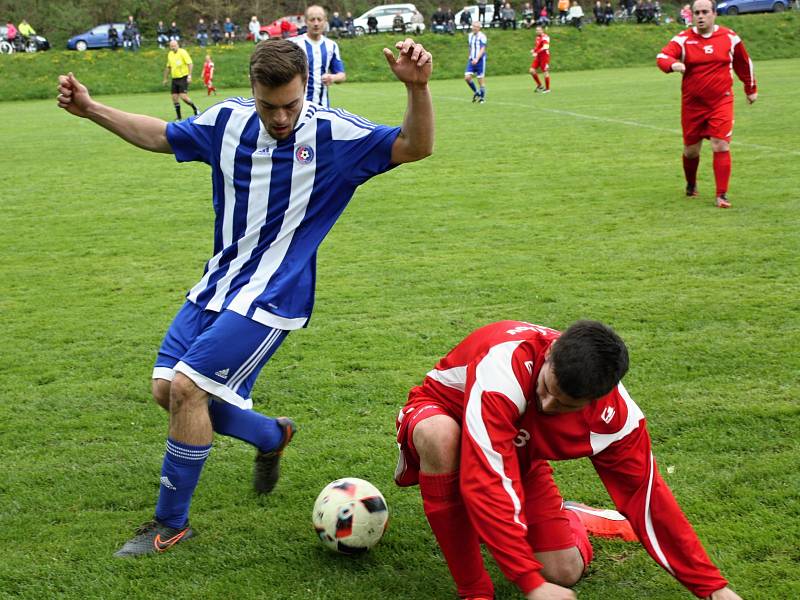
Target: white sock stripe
[
  {"x": 252, "y": 363},
  {"x": 186, "y": 453},
  {"x": 246, "y": 366}
]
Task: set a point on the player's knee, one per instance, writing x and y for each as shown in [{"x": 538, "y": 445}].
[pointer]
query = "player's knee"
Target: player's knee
[
  {"x": 161, "y": 392},
  {"x": 718, "y": 145},
  {"x": 437, "y": 440},
  {"x": 566, "y": 571},
  {"x": 185, "y": 395}
]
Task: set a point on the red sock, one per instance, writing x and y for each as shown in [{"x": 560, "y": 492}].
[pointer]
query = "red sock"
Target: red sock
[
  {"x": 690, "y": 169},
  {"x": 547, "y": 81},
  {"x": 457, "y": 538},
  {"x": 581, "y": 538},
  {"x": 536, "y": 79},
  {"x": 722, "y": 170}
]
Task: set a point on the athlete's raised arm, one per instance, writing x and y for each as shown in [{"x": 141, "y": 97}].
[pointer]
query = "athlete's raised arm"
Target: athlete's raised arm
[
  {"x": 413, "y": 67},
  {"x": 145, "y": 132}
]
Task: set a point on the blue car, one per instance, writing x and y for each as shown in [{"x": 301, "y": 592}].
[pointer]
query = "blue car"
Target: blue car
[
  {"x": 734, "y": 7},
  {"x": 96, "y": 37}
]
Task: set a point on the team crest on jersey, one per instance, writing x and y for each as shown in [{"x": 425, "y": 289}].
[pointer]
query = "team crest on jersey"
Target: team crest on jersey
[{"x": 304, "y": 154}]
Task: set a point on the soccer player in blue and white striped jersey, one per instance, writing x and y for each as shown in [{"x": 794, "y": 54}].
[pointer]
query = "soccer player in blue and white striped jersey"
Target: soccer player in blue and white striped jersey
[
  {"x": 476, "y": 64},
  {"x": 325, "y": 65},
  {"x": 282, "y": 170}
]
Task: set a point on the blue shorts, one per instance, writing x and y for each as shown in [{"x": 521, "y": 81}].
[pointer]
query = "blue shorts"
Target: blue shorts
[
  {"x": 222, "y": 353},
  {"x": 478, "y": 69}
]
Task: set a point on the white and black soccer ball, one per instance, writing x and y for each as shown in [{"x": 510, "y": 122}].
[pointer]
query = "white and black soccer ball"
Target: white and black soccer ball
[{"x": 350, "y": 515}]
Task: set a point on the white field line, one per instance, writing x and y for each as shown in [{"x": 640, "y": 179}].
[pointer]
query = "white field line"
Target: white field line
[{"x": 625, "y": 122}]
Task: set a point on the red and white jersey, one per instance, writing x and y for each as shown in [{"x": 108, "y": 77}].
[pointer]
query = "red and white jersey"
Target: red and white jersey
[
  {"x": 542, "y": 45},
  {"x": 208, "y": 71},
  {"x": 710, "y": 61},
  {"x": 489, "y": 379}
]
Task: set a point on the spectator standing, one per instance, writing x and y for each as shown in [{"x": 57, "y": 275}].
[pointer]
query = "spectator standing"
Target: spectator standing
[
  {"x": 476, "y": 63},
  {"x": 563, "y": 11},
  {"x": 482, "y": 12},
  {"x": 131, "y": 38},
  {"x": 508, "y": 16},
  {"x": 707, "y": 55},
  {"x": 179, "y": 68},
  {"x": 229, "y": 31},
  {"x": 113, "y": 37},
  {"x": 202, "y": 33},
  {"x": 216, "y": 32},
  {"x": 162, "y": 37},
  {"x": 208, "y": 75},
  {"x": 417, "y": 22},
  {"x": 254, "y": 27},
  {"x": 599, "y": 13},
  {"x": 497, "y": 5},
  {"x": 541, "y": 61},
  {"x": 296, "y": 168},
  {"x": 686, "y": 15},
  {"x": 325, "y": 66},
  {"x": 174, "y": 32}
]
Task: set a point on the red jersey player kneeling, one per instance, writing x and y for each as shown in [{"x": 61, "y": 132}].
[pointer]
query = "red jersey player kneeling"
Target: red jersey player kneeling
[
  {"x": 477, "y": 436},
  {"x": 707, "y": 54},
  {"x": 208, "y": 75}
]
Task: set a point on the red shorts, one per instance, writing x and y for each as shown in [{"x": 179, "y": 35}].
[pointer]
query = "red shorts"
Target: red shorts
[
  {"x": 703, "y": 122},
  {"x": 541, "y": 61},
  {"x": 548, "y": 525}
]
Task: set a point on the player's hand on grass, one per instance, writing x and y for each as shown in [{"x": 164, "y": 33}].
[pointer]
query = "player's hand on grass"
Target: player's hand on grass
[
  {"x": 413, "y": 65},
  {"x": 73, "y": 95},
  {"x": 752, "y": 97},
  {"x": 725, "y": 593},
  {"x": 678, "y": 67},
  {"x": 550, "y": 591}
]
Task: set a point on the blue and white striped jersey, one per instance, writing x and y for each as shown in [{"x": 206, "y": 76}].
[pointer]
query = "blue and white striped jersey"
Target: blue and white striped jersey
[
  {"x": 476, "y": 42},
  {"x": 323, "y": 57},
  {"x": 274, "y": 201}
]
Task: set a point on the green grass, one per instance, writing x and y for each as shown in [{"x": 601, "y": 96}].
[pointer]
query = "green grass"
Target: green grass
[
  {"x": 543, "y": 208},
  {"x": 26, "y": 76}
]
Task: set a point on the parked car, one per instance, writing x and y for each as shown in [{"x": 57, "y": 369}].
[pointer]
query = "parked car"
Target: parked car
[
  {"x": 385, "y": 15},
  {"x": 35, "y": 43},
  {"x": 96, "y": 37},
  {"x": 297, "y": 25},
  {"x": 734, "y": 7},
  {"x": 473, "y": 10}
]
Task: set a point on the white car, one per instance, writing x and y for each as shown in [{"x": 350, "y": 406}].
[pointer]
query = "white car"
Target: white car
[
  {"x": 473, "y": 10},
  {"x": 385, "y": 15}
]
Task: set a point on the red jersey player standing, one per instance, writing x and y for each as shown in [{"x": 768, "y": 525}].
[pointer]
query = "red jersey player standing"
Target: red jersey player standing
[
  {"x": 477, "y": 434},
  {"x": 706, "y": 54},
  {"x": 208, "y": 75},
  {"x": 541, "y": 61}
]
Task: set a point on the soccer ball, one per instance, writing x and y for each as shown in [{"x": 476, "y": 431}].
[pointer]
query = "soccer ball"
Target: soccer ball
[{"x": 350, "y": 515}]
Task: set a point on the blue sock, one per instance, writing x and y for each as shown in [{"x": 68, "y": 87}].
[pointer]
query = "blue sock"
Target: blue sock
[
  {"x": 483, "y": 92},
  {"x": 180, "y": 473},
  {"x": 471, "y": 84},
  {"x": 247, "y": 425}
]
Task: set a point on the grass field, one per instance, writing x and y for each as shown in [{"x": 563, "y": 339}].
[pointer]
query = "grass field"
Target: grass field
[{"x": 542, "y": 208}]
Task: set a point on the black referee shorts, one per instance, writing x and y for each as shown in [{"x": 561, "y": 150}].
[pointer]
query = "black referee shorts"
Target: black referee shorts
[{"x": 180, "y": 85}]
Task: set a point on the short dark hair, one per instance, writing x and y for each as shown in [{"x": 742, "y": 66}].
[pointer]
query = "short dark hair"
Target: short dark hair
[
  {"x": 588, "y": 360},
  {"x": 277, "y": 62}
]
